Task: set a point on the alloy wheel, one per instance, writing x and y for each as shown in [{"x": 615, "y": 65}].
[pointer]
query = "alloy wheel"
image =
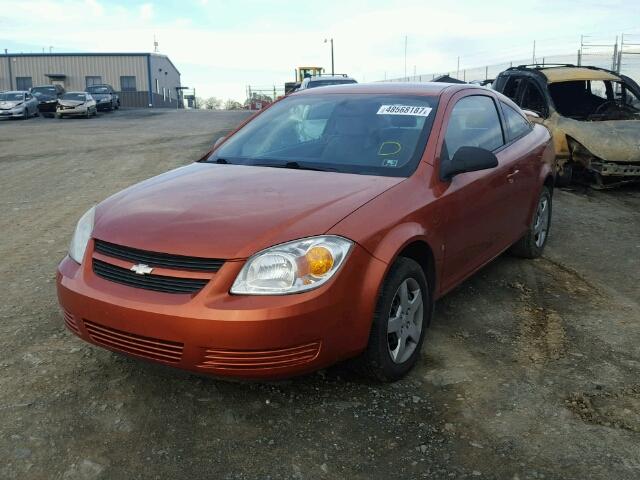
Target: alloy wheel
[
  {"x": 404, "y": 326},
  {"x": 541, "y": 224}
]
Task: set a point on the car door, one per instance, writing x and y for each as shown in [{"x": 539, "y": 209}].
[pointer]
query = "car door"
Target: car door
[
  {"x": 476, "y": 205},
  {"x": 525, "y": 159}
]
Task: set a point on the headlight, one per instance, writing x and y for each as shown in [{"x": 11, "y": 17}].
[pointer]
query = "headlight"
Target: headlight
[
  {"x": 292, "y": 267},
  {"x": 82, "y": 235}
]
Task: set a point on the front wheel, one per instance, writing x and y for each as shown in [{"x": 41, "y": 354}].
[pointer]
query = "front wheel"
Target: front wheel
[
  {"x": 402, "y": 314},
  {"x": 534, "y": 241}
]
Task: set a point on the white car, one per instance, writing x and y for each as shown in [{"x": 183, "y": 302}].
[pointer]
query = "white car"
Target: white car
[
  {"x": 325, "y": 81},
  {"x": 76, "y": 104},
  {"x": 18, "y": 104}
]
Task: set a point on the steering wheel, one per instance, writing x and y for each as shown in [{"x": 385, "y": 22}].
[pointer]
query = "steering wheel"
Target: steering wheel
[{"x": 605, "y": 105}]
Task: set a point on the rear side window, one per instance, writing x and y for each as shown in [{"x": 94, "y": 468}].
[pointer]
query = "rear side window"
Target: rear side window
[
  {"x": 517, "y": 125},
  {"x": 474, "y": 122}
]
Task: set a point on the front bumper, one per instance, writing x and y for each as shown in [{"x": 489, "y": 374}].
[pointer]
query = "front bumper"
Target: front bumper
[
  {"x": 47, "y": 107},
  {"x": 221, "y": 334},
  {"x": 72, "y": 111},
  {"x": 17, "y": 113},
  {"x": 104, "y": 105}
]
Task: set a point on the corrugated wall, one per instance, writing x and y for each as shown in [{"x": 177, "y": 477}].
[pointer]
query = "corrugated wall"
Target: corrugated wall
[
  {"x": 167, "y": 77},
  {"x": 76, "y": 68}
]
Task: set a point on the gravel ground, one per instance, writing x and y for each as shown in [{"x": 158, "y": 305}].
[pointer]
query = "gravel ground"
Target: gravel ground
[{"x": 530, "y": 370}]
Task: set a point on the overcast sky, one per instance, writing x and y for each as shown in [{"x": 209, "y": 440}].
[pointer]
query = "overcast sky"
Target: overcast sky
[{"x": 222, "y": 46}]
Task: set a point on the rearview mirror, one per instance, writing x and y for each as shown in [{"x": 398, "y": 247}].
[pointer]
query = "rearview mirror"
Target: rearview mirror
[
  {"x": 218, "y": 142},
  {"x": 468, "y": 159}
]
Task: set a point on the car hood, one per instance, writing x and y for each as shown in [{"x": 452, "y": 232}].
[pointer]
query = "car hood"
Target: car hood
[
  {"x": 231, "y": 211},
  {"x": 611, "y": 140},
  {"x": 10, "y": 104},
  {"x": 42, "y": 97},
  {"x": 70, "y": 103}
]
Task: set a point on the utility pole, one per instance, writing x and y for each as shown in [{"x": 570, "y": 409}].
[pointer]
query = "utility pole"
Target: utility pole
[
  {"x": 405, "y": 58},
  {"x": 331, "y": 40},
  {"x": 458, "y": 69},
  {"x": 533, "y": 61}
]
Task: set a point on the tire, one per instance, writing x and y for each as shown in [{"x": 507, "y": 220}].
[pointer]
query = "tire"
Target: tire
[
  {"x": 25, "y": 114},
  {"x": 533, "y": 243},
  {"x": 87, "y": 113},
  {"x": 95, "y": 112},
  {"x": 58, "y": 115},
  {"x": 384, "y": 359}
]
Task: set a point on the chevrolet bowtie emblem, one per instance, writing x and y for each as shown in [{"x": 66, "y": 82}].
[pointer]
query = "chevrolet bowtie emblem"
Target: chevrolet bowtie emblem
[{"x": 141, "y": 269}]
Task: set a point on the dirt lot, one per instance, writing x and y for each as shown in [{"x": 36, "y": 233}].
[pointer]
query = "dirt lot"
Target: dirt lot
[{"x": 531, "y": 369}]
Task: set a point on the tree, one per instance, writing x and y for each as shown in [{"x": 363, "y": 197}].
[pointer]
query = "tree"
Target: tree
[
  {"x": 212, "y": 103},
  {"x": 232, "y": 105}
]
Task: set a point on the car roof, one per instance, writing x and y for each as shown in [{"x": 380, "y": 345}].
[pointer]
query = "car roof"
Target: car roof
[
  {"x": 329, "y": 77},
  {"x": 567, "y": 74},
  {"x": 15, "y": 91},
  {"x": 430, "y": 89},
  {"x": 77, "y": 91}
]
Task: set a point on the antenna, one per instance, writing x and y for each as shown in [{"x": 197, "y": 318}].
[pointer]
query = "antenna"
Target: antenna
[{"x": 155, "y": 44}]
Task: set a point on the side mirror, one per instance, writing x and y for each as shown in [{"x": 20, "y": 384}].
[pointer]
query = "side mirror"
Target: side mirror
[
  {"x": 218, "y": 142},
  {"x": 468, "y": 159}
]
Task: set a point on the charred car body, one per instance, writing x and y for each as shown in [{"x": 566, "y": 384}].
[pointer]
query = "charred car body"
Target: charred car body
[{"x": 593, "y": 114}]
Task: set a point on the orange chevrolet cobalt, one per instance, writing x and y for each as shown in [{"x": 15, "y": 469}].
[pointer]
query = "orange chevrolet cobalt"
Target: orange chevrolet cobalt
[{"x": 321, "y": 230}]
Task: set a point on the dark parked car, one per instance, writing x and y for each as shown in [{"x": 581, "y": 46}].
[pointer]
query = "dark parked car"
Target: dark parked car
[
  {"x": 105, "y": 96},
  {"x": 48, "y": 96}
]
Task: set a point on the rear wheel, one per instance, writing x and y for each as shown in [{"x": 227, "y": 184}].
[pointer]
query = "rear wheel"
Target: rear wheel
[
  {"x": 533, "y": 243},
  {"x": 402, "y": 314}
]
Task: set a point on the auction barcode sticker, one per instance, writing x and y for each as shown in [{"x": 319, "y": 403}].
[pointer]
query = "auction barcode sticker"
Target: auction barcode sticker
[{"x": 404, "y": 110}]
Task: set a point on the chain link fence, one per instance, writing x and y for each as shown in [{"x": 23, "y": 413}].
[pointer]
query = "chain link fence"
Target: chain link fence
[{"x": 623, "y": 58}]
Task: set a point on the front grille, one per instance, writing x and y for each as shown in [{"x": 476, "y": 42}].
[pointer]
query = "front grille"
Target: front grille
[
  {"x": 70, "y": 322},
  {"x": 158, "y": 283},
  {"x": 221, "y": 359},
  {"x": 154, "y": 259},
  {"x": 147, "y": 347}
]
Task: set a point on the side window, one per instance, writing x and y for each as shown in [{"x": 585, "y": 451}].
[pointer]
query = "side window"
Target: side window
[
  {"x": 533, "y": 99},
  {"x": 92, "y": 80},
  {"x": 512, "y": 87},
  {"x": 474, "y": 122},
  {"x": 517, "y": 125}
]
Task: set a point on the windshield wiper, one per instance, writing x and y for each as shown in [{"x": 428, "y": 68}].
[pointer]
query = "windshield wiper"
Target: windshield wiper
[
  {"x": 293, "y": 165},
  {"x": 223, "y": 161}
]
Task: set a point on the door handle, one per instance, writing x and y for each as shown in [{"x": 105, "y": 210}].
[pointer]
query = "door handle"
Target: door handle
[{"x": 512, "y": 174}]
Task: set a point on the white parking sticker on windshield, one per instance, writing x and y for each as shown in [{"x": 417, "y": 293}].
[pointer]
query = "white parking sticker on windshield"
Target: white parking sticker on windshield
[{"x": 404, "y": 110}]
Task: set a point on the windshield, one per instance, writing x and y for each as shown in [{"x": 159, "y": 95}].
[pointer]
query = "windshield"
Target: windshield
[
  {"x": 43, "y": 90},
  {"x": 366, "y": 134},
  {"x": 325, "y": 83},
  {"x": 11, "y": 97},
  {"x": 74, "y": 96},
  {"x": 98, "y": 90},
  {"x": 594, "y": 100}
]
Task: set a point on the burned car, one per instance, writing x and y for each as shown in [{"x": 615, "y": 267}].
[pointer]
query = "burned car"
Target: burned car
[{"x": 593, "y": 114}]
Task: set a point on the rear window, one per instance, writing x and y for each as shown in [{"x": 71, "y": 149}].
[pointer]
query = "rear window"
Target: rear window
[
  {"x": 365, "y": 134},
  {"x": 326, "y": 83}
]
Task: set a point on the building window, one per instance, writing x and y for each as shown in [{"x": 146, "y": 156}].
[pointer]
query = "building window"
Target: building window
[
  {"x": 23, "y": 83},
  {"x": 164, "y": 94},
  {"x": 157, "y": 87},
  {"x": 169, "y": 92},
  {"x": 93, "y": 81},
  {"x": 128, "y": 84}
]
